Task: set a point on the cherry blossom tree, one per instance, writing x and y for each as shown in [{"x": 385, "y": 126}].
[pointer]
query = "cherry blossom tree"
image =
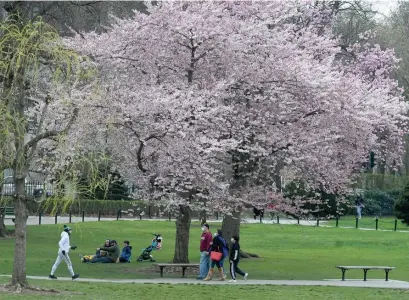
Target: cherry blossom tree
[{"x": 214, "y": 99}]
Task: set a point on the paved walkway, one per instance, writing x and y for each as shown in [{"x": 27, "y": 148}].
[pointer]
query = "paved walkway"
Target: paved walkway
[
  {"x": 34, "y": 220},
  {"x": 391, "y": 284}
]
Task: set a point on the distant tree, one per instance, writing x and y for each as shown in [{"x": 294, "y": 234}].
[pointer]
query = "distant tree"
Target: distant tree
[
  {"x": 402, "y": 206},
  {"x": 111, "y": 186}
]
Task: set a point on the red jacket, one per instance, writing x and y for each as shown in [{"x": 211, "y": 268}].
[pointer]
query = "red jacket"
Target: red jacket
[{"x": 205, "y": 241}]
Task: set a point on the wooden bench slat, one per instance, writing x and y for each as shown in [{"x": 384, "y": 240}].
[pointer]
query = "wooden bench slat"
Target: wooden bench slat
[
  {"x": 365, "y": 267},
  {"x": 183, "y": 266},
  {"x": 177, "y": 265}
]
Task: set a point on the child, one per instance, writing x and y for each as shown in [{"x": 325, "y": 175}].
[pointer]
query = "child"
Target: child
[
  {"x": 64, "y": 248},
  {"x": 126, "y": 253},
  {"x": 234, "y": 260}
]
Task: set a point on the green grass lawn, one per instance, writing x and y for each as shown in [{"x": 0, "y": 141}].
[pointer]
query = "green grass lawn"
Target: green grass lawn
[
  {"x": 80, "y": 290},
  {"x": 384, "y": 223},
  {"x": 287, "y": 252}
]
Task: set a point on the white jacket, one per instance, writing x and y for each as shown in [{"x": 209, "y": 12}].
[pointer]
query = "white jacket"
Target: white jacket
[{"x": 64, "y": 243}]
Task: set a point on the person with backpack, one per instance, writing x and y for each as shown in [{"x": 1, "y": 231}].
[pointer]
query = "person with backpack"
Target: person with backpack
[
  {"x": 218, "y": 252},
  {"x": 234, "y": 260}
]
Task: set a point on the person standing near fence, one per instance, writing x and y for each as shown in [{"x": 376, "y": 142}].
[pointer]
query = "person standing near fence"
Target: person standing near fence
[
  {"x": 359, "y": 203},
  {"x": 234, "y": 260},
  {"x": 205, "y": 243},
  {"x": 64, "y": 248}
]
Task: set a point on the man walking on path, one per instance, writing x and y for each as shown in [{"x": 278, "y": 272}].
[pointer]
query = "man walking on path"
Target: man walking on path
[
  {"x": 234, "y": 260},
  {"x": 205, "y": 243},
  {"x": 64, "y": 248}
]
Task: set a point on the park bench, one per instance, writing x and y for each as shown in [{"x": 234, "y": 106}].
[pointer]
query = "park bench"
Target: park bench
[
  {"x": 366, "y": 268},
  {"x": 183, "y": 266},
  {"x": 7, "y": 212}
]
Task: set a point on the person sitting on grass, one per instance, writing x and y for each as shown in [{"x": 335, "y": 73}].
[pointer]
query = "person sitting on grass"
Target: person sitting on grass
[
  {"x": 126, "y": 253},
  {"x": 112, "y": 255},
  {"x": 98, "y": 253}
]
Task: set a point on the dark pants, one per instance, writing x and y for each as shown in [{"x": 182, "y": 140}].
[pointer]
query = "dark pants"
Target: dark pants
[
  {"x": 123, "y": 260},
  {"x": 235, "y": 269}
]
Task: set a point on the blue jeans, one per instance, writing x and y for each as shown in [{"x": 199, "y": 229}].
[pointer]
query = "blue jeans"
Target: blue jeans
[
  {"x": 358, "y": 211},
  {"x": 102, "y": 259},
  {"x": 204, "y": 264}
]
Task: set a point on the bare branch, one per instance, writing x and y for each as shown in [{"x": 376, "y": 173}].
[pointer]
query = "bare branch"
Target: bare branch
[
  {"x": 142, "y": 145},
  {"x": 275, "y": 150},
  {"x": 51, "y": 133}
]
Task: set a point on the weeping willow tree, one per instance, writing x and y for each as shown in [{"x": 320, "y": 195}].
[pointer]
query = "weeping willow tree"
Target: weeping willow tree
[{"x": 36, "y": 74}]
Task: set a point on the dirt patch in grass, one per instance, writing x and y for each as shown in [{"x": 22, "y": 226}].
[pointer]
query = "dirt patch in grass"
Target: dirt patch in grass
[
  {"x": 34, "y": 291},
  {"x": 31, "y": 290}
]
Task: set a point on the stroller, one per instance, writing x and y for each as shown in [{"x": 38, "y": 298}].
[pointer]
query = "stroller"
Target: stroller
[{"x": 155, "y": 245}]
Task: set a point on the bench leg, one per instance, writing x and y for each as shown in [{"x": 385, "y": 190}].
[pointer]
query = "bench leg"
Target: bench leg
[
  {"x": 161, "y": 271},
  {"x": 387, "y": 275},
  {"x": 343, "y": 274},
  {"x": 365, "y": 271},
  {"x": 183, "y": 271}
]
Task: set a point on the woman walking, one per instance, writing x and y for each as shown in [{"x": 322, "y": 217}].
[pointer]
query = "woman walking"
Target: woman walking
[{"x": 218, "y": 252}]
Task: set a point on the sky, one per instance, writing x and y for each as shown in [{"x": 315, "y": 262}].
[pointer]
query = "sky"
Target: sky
[{"x": 384, "y": 6}]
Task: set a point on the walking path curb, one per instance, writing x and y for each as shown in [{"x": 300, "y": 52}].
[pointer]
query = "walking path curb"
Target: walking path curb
[{"x": 391, "y": 284}]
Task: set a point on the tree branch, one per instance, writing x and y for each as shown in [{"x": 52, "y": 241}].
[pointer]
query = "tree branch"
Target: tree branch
[
  {"x": 142, "y": 145},
  {"x": 51, "y": 133},
  {"x": 275, "y": 150}
]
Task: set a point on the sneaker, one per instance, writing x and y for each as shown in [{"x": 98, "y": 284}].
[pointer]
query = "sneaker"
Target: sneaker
[
  {"x": 233, "y": 280},
  {"x": 81, "y": 257},
  {"x": 52, "y": 276},
  {"x": 75, "y": 276},
  {"x": 246, "y": 275}
]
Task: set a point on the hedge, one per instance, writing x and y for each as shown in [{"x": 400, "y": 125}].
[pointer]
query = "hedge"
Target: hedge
[{"x": 93, "y": 207}]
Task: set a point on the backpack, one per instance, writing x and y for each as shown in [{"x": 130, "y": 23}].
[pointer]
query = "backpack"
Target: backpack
[{"x": 225, "y": 249}]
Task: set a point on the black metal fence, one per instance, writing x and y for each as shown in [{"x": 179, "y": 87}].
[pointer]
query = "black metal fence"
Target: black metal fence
[{"x": 35, "y": 188}]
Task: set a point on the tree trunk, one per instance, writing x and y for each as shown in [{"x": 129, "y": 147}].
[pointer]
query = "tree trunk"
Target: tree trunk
[
  {"x": 231, "y": 225},
  {"x": 202, "y": 216},
  {"x": 183, "y": 221},
  {"x": 21, "y": 213},
  {"x": 3, "y": 229}
]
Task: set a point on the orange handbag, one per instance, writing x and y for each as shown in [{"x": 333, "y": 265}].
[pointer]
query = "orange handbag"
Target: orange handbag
[{"x": 216, "y": 256}]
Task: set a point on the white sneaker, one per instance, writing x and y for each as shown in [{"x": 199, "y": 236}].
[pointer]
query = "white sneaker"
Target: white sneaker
[
  {"x": 246, "y": 275},
  {"x": 233, "y": 280}
]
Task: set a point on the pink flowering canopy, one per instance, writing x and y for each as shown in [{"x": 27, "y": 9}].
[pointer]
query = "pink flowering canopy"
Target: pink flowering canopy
[{"x": 222, "y": 96}]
